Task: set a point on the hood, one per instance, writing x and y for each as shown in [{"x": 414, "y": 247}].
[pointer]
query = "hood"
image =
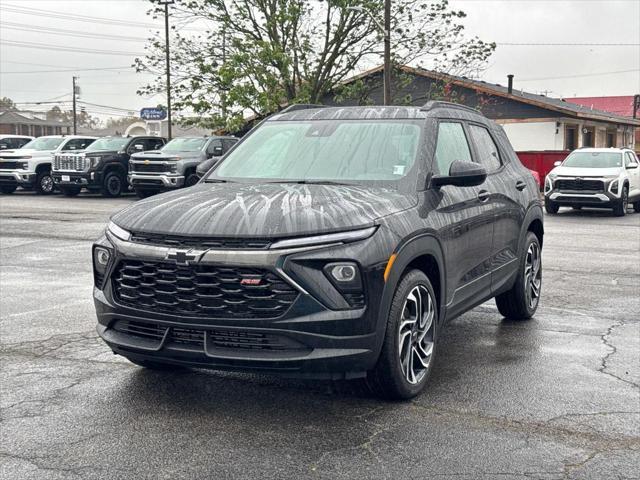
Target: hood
[
  {"x": 160, "y": 155},
  {"x": 262, "y": 210},
  {"x": 25, "y": 152},
  {"x": 586, "y": 172},
  {"x": 98, "y": 153}
]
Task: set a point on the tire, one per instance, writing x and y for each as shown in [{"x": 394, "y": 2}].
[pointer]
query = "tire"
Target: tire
[
  {"x": 113, "y": 185},
  {"x": 620, "y": 209},
  {"x": 551, "y": 206},
  {"x": 521, "y": 302},
  {"x": 7, "y": 189},
  {"x": 44, "y": 183},
  {"x": 151, "y": 365},
  {"x": 144, "y": 193},
  {"x": 191, "y": 179},
  {"x": 636, "y": 207},
  {"x": 409, "y": 342},
  {"x": 70, "y": 191}
]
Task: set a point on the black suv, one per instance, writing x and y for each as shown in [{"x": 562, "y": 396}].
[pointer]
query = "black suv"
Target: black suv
[
  {"x": 330, "y": 242},
  {"x": 102, "y": 167}
]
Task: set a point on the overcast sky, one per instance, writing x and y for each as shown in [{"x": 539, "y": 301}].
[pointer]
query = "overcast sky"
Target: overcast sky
[{"x": 558, "y": 70}]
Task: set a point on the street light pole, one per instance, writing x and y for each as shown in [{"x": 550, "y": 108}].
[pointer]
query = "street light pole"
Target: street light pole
[
  {"x": 166, "y": 4},
  {"x": 386, "y": 31},
  {"x": 75, "y": 121}
]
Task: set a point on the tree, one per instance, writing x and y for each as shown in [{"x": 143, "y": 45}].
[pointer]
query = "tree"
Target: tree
[
  {"x": 259, "y": 55},
  {"x": 83, "y": 119},
  {"x": 7, "y": 105}
]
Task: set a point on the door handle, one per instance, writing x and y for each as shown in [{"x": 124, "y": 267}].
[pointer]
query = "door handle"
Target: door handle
[
  {"x": 483, "y": 195},
  {"x": 520, "y": 185}
]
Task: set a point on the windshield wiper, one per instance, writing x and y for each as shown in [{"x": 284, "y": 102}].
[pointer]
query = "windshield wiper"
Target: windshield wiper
[{"x": 216, "y": 180}]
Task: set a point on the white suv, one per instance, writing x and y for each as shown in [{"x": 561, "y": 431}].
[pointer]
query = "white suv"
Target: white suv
[
  {"x": 30, "y": 166},
  {"x": 594, "y": 177}
]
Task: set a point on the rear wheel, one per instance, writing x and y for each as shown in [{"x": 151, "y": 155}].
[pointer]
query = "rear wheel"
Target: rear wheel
[
  {"x": 70, "y": 191},
  {"x": 191, "y": 179},
  {"x": 521, "y": 302},
  {"x": 407, "y": 356},
  {"x": 44, "y": 183},
  {"x": 144, "y": 193},
  {"x": 7, "y": 189},
  {"x": 620, "y": 209},
  {"x": 113, "y": 185},
  {"x": 551, "y": 207}
]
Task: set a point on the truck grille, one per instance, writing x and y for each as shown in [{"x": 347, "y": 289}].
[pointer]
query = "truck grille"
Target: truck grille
[
  {"x": 202, "y": 290},
  {"x": 218, "y": 338},
  {"x": 68, "y": 162},
  {"x": 9, "y": 165},
  {"x": 150, "y": 167},
  {"x": 579, "y": 184},
  {"x": 201, "y": 242}
]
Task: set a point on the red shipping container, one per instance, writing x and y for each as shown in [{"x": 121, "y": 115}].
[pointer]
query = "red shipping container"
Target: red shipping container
[{"x": 542, "y": 161}]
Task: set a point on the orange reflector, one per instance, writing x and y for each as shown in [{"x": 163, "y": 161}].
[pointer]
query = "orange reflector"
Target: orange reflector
[{"x": 387, "y": 270}]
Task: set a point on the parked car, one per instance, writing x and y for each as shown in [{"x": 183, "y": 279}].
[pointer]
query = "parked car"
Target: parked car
[
  {"x": 30, "y": 166},
  {"x": 174, "y": 165},
  {"x": 103, "y": 167},
  {"x": 594, "y": 177},
  {"x": 12, "y": 142},
  {"x": 305, "y": 252},
  {"x": 204, "y": 167}
]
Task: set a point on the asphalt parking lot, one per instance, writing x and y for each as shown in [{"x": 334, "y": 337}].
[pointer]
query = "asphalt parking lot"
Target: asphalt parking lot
[{"x": 552, "y": 398}]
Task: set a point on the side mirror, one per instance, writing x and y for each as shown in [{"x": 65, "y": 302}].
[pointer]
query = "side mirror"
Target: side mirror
[
  {"x": 461, "y": 174},
  {"x": 632, "y": 165},
  {"x": 557, "y": 163}
]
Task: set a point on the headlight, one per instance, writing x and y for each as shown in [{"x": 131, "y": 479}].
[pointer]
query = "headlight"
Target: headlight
[
  {"x": 94, "y": 162},
  {"x": 613, "y": 188},
  {"x": 342, "y": 237},
  {"x": 173, "y": 168},
  {"x": 24, "y": 165},
  {"x": 101, "y": 260},
  {"x": 118, "y": 232}
]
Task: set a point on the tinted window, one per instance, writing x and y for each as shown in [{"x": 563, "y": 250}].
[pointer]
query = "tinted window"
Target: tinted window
[
  {"x": 137, "y": 145},
  {"x": 452, "y": 145},
  {"x": 211, "y": 148},
  {"x": 154, "y": 143},
  {"x": 227, "y": 143},
  {"x": 488, "y": 155}
]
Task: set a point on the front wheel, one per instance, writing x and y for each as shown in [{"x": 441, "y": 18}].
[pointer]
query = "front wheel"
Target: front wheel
[
  {"x": 44, "y": 183},
  {"x": 620, "y": 209},
  {"x": 191, "y": 180},
  {"x": 70, "y": 191},
  {"x": 407, "y": 356},
  {"x": 521, "y": 302},
  {"x": 7, "y": 189},
  {"x": 113, "y": 185},
  {"x": 551, "y": 207}
]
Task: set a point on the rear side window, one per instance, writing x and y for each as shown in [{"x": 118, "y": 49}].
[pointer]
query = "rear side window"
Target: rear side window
[
  {"x": 452, "y": 145},
  {"x": 486, "y": 148},
  {"x": 629, "y": 159}
]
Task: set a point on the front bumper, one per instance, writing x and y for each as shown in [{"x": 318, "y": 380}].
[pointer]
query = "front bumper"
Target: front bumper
[
  {"x": 155, "y": 181},
  {"x": 308, "y": 340},
  {"x": 20, "y": 178},
  {"x": 76, "y": 179},
  {"x": 599, "y": 199}
]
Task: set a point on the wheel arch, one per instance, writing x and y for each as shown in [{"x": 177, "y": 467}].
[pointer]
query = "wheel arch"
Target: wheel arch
[
  {"x": 533, "y": 222},
  {"x": 115, "y": 166},
  {"x": 43, "y": 167}
]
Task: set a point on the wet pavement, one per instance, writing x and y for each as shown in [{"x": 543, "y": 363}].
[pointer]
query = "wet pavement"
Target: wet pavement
[{"x": 552, "y": 398}]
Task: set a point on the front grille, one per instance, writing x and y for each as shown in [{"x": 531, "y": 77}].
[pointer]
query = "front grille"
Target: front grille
[
  {"x": 68, "y": 162},
  {"x": 150, "y": 167},
  {"x": 201, "y": 290},
  {"x": 218, "y": 338},
  {"x": 10, "y": 165},
  {"x": 201, "y": 242},
  {"x": 579, "y": 184}
]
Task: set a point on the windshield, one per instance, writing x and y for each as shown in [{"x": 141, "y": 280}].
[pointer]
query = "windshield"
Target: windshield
[
  {"x": 107, "y": 144},
  {"x": 348, "y": 151},
  {"x": 185, "y": 145},
  {"x": 593, "y": 160},
  {"x": 44, "y": 143}
]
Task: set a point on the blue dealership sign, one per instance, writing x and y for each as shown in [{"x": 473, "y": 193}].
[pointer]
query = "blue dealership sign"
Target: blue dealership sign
[{"x": 153, "y": 113}]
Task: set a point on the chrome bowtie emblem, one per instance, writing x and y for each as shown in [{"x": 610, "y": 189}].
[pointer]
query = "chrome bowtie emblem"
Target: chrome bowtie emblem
[{"x": 182, "y": 257}]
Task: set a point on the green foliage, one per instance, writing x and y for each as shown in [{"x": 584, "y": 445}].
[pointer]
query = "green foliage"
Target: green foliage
[
  {"x": 259, "y": 55},
  {"x": 83, "y": 119},
  {"x": 7, "y": 105}
]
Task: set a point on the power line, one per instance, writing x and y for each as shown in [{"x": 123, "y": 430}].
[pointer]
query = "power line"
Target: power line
[
  {"x": 578, "y": 76},
  {"x": 45, "y": 46},
  {"x": 120, "y": 69},
  {"x": 69, "y": 33}
]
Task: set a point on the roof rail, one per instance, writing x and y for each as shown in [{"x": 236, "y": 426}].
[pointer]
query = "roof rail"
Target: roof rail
[
  {"x": 300, "y": 106},
  {"x": 433, "y": 104}
]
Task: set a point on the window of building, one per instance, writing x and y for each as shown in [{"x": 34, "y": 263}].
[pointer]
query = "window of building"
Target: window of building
[
  {"x": 570, "y": 137},
  {"x": 588, "y": 136},
  {"x": 611, "y": 138},
  {"x": 452, "y": 145}
]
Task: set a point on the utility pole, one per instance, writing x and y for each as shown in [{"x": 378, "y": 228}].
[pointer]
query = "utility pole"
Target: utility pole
[
  {"x": 75, "y": 120},
  {"x": 166, "y": 4},
  {"x": 387, "y": 52}
]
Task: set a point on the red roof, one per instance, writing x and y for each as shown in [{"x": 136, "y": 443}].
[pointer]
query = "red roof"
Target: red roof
[{"x": 622, "y": 105}]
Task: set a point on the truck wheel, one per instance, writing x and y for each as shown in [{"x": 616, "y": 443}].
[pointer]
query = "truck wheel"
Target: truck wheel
[
  {"x": 636, "y": 207},
  {"x": 70, "y": 191},
  {"x": 551, "y": 207},
  {"x": 44, "y": 183},
  {"x": 144, "y": 193},
  {"x": 112, "y": 185},
  {"x": 620, "y": 209},
  {"x": 191, "y": 180},
  {"x": 7, "y": 189},
  {"x": 408, "y": 351},
  {"x": 521, "y": 302}
]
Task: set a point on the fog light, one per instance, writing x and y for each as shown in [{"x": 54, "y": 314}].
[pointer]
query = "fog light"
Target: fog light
[
  {"x": 102, "y": 256},
  {"x": 343, "y": 272}
]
